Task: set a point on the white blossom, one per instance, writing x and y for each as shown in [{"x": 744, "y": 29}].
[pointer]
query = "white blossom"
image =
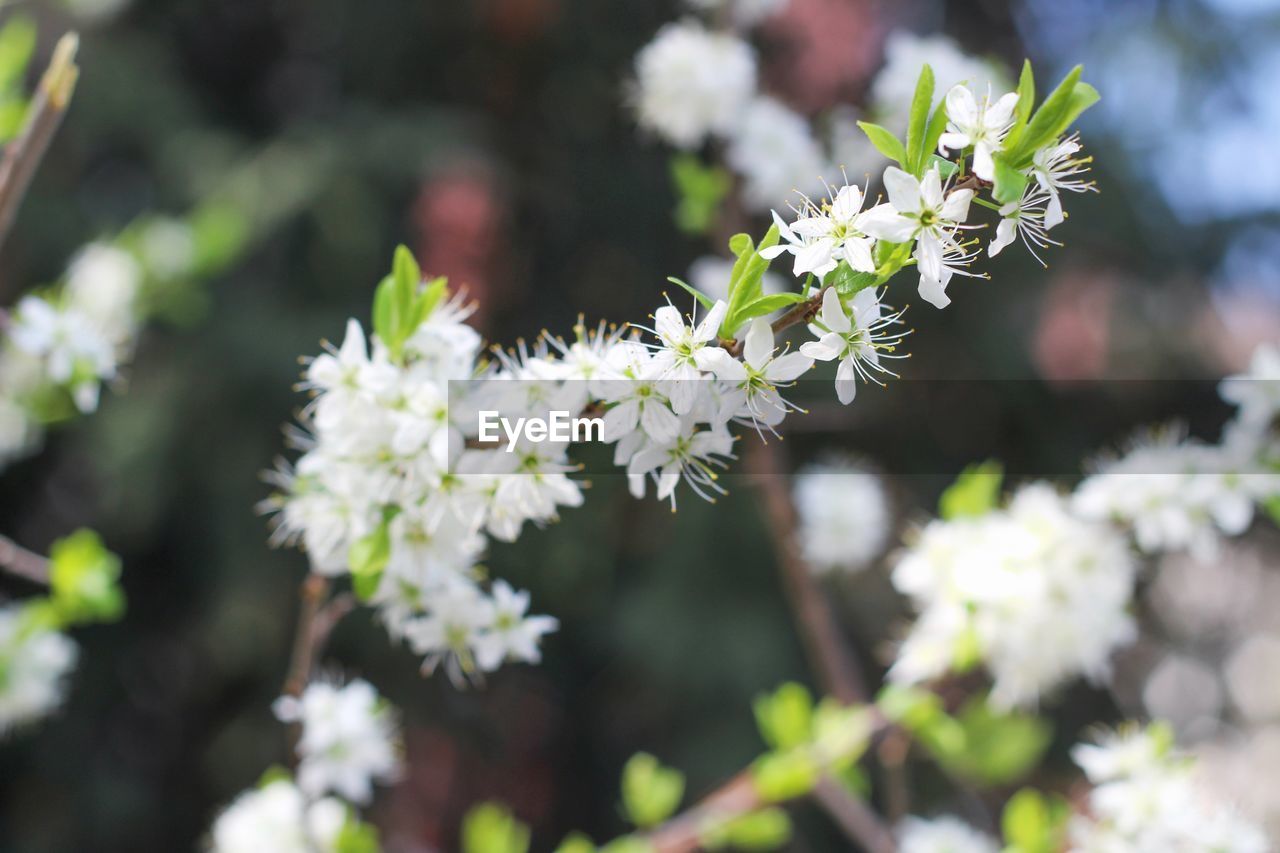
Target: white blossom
[
  {"x": 279, "y": 818},
  {"x": 691, "y": 82},
  {"x": 980, "y": 123},
  {"x": 756, "y": 378},
  {"x": 75, "y": 353},
  {"x": 1024, "y": 218},
  {"x": 349, "y": 739},
  {"x": 1148, "y": 799},
  {"x": 1055, "y": 167},
  {"x": 823, "y": 235},
  {"x": 844, "y": 515},
  {"x": 773, "y": 148},
  {"x": 1032, "y": 592},
  {"x": 34, "y": 663},
  {"x": 944, "y": 834},
  {"x": 857, "y": 337}
]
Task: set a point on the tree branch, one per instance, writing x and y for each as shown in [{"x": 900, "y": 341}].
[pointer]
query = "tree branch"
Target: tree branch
[
  {"x": 23, "y": 155},
  {"x": 305, "y": 646},
  {"x": 21, "y": 563}
]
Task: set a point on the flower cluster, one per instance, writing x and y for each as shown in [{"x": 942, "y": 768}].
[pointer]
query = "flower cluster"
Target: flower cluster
[
  {"x": 278, "y": 817},
  {"x": 844, "y": 515},
  {"x": 58, "y": 346},
  {"x": 1147, "y": 798},
  {"x": 1179, "y": 494},
  {"x": 349, "y": 739},
  {"x": 34, "y": 663},
  {"x": 1031, "y": 592},
  {"x": 942, "y": 835}
]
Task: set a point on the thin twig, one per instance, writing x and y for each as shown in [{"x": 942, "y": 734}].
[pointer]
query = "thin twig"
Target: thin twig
[
  {"x": 302, "y": 659},
  {"x": 801, "y": 312},
  {"x": 837, "y": 669},
  {"x": 20, "y": 562},
  {"x": 854, "y": 816},
  {"x": 22, "y": 156}
]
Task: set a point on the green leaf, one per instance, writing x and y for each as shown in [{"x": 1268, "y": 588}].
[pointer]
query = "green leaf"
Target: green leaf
[
  {"x": 1063, "y": 105},
  {"x": 765, "y": 829},
  {"x": 274, "y": 773},
  {"x": 576, "y": 842},
  {"x": 219, "y": 233},
  {"x": 917, "y": 124},
  {"x": 745, "y": 281},
  {"x": 929, "y": 148},
  {"x": 999, "y": 748},
  {"x": 975, "y": 492},
  {"x": 884, "y": 141},
  {"x": 785, "y": 717},
  {"x": 84, "y": 579},
  {"x": 17, "y": 43},
  {"x": 491, "y": 828},
  {"x": 367, "y": 558},
  {"x": 357, "y": 837},
  {"x": 1022, "y": 111},
  {"x": 1010, "y": 182},
  {"x": 650, "y": 792},
  {"x": 703, "y": 299},
  {"x": 847, "y": 281},
  {"x": 1033, "y": 824},
  {"x": 761, "y": 307},
  {"x": 780, "y": 776},
  {"x": 700, "y": 190},
  {"x": 945, "y": 167}
]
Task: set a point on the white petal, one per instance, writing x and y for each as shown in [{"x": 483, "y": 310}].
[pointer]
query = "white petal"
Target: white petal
[
  {"x": 983, "y": 166},
  {"x": 659, "y": 422},
  {"x": 711, "y": 323},
  {"x": 823, "y": 350},
  {"x": 847, "y": 203},
  {"x": 934, "y": 292},
  {"x": 757, "y": 348},
  {"x": 956, "y": 207},
  {"x": 1053, "y": 210},
  {"x": 833, "y": 314},
  {"x": 962, "y": 107},
  {"x": 668, "y": 323},
  {"x": 884, "y": 222},
  {"x": 857, "y": 251},
  {"x": 903, "y": 189},
  {"x": 788, "y": 368},
  {"x": 1006, "y": 232},
  {"x": 1000, "y": 113},
  {"x": 846, "y": 382},
  {"x": 931, "y": 189},
  {"x": 952, "y": 142}
]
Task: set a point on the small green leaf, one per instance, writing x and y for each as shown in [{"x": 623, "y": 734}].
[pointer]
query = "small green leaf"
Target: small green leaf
[
  {"x": 760, "y": 307},
  {"x": 746, "y": 279},
  {"x": 1063, "y": 105},
  {"x": 884, "y": 141},
  {"x": 921, "y": 106},
  {"x": 945, "y": 167},
  {"x": 780, "y": 776},
  {"x": 765, "y": 829},
  {"x": 274, "y": 773},
  {"x": 929, "y": 148},
  {"x": 1026, "y": 100},
  {"x": 650, "y": 792},
  {"x": 703, "y": 299},
  {"x": 847, "y": 281},
  {"x": 700, "y": 190},
  {"x": 999, "y": 748},
  {"x": 576, "y": 842},
  {"x": 491, "y": 828},
  {"x": 785, "y": 717},
  {"x": 1033, "y": 824},
  {"x": 357, "y": 837},
  {"x": 84, "y": 579},
  {"x": 975, "y": 492},
  {"x": 17, "y": 43},
  {"x": 1010, "y": 183},
  {"x": 367, "y": 558}
]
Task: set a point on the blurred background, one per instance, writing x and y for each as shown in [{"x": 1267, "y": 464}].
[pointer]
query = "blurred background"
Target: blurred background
[{"x": 493, "y": 137}]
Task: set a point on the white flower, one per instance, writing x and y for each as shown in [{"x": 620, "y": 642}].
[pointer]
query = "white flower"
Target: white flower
[
  {"x": 75, "y": 353},
  {"x": 102, "y": 284},
  {"x": 981, "y": 124},
  {"x": 1026, "y": 218},
  {"x": 944, "y": 834},
  {"x": 34, "y": 663},
  {"x": 511, "y": 635},
  {"x": 844, "y": 516},
  {"x": 349, "y": 739},
  {"x": 919, "y": 210},
  {"x": 774, "y": 150},
  {"x": 1149, "y": 799},
  {"x": 906, "y": 53},
  {"x": 691, "y": 83},
  {"x": 1176, "y": 494},
  {"x": 858, "y": 342},
  {"x": 756, "y": 378},
  {"x": 695, "y": 455},
  {"x": 448, "y": 632},
  {"x": 824, "y": 235},
  {"x": 1032, "y": 592},
  {"x": 278, "y": 818},
  {"x": 684, "y": 352},
  {"x": 1257, "y": 390},
  {"x": 1056, "y": 167},
  {"x": 745, "y": 13}
]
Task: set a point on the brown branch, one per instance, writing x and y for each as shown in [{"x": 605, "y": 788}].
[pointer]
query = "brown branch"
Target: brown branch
[
  {"x": 21, "y": 563},
  {"x": 854, "y": 816},
  {"x": 838, "y": 670},
  {"x": 302, "y": 659},
  {"x": 22, "y": 156},
  {"x": 801, "y": 312}
]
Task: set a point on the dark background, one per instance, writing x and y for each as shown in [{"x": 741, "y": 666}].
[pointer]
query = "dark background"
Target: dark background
[{"x": 493, "y": 138}]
